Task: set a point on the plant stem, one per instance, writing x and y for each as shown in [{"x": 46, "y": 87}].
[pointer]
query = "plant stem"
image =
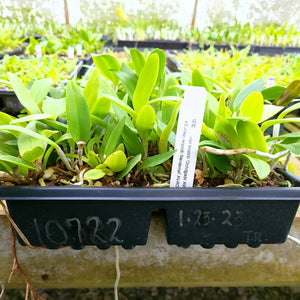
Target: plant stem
[{"x": 145, "y": 147}]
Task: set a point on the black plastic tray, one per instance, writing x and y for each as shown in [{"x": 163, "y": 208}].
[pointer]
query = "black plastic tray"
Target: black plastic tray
[
  {"x": 17, "y": 51},
  {"x": 162, "y": 44},
  {"x": 78, "y": 216}
]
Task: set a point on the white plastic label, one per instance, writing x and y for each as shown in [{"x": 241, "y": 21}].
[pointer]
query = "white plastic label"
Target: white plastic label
[
  {"x": 79, "y": 50},
  {"x": 38, "y": 51},
  {"x": 270, "y": 82},
  {"x": 187, "y": 137},
  {"x": 70, "y": 52}
]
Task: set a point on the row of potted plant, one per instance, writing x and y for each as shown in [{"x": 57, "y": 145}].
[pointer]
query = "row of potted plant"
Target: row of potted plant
[
  {"x": 57, "y": 37},
  {"x": 116, "y": 131}
]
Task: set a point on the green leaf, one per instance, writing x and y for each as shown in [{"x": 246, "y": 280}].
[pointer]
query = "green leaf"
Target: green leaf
[
  {"x": 113, "y": 139},
  {"x": 252, "y": 107},
  {"x": 163, "y": 141},
  {"x": 162, "y": 62},
  {"x": 198, "y": 79},
  {"x": 107, "y": 64},
  {"x": 130, "y": 165},
  {"x": 91, "y": 90},
  {"x": 138, "y": 60},
  {"x": 19, "y": 129},
  {"x": 146, "y": 82},
  {"x": 128, "y": 79},
  {"x": 5, "y": 118},
  {"x": 288, "y": 110},
  {"x": 78, "y": 115},
  {"x": 273, "y": 92},
  {"x": 30, "y": 148},
  {"x": 261, "y": 167},
  {"x": 8, "y": 144},
  {"x": 23, "y": 95},
  {"x": 17, "y": 161},
  {"x": 226, "y": 133},
  {"x": 156, "y": 159},
  {"x": 121, "y": 104},
  {"x": 54, "y": 107},
  {"x": 269, "y": 111},
  {"x": 267, "y": 124},
  {"x": 132, "y": 142},
  {"x": 291, "y": 93},
  {"x": 101, "y": 107},
  {"x": 116, "y": 161},
  {"x": 145, "y": 121},
  {"x": 294, "y": 148},
  {"x": 94, "y": 174},
  {"x": 40, "y": 89},
  {"x": 251, "y": 136},
  {"x": 255, "y": 86},
  {"x": 31, "y": 118}
]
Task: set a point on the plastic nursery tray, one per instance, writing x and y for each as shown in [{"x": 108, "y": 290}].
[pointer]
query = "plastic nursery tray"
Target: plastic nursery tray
[
  {"x": 79, "y": 216},
  {"x": 9, "y": 102},
  {"x": 17, "y": 51},
  {"x": 162, "y": 44}
]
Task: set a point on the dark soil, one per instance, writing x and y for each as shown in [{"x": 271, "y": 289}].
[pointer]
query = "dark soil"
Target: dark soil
[{"x": 207, "y": 293}]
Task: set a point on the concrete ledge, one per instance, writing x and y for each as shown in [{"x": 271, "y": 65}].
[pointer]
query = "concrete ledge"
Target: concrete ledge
[{"x": 156, "y": 264}]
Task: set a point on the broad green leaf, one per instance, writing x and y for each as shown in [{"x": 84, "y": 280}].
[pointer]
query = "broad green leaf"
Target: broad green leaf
[
  {"x": 145, "y": 121},
  {"x": 54, "y": 107},
  {"x": 40, "y": 89},
  {"x": 101, "y": 107},
  {"x": 78, "y": 115},
  {"x": 116, "y": 161},
  {"x": 156, "y": 160},
  {"x": 5, "y": 118},
  {"x": 31, "y": 118},
  {"x": 226, "y": 133},
  {"x": 91, "y": 90},
  {"x": 261, "y": 167},
  {"x": 162, "y": 62},
  {"x": 19, "y": 129},
  {"x": 251, "y": 136},
  {"x": 170, "y": 83},
  {"x": 30, "y": 148},
  {"x": 291, "y": 93},
  {"x": 285, "y": 136},
  {"x": 294, "y": 148},
  {"x": 146, "y": 82},
  {"x": 270, "y": 111},
  {"x": 112, "y": 140},
  {"x": 128, "y": 79},
  {"x": 24, "y": 95},
  {"x": 107, "y": 64},
  {"x": 207, "y": 132},
  {"x": 94, "y": 174},
  {"x": 198, "y": 79},
  {"x": 255, "y": 86},
  {"x": 130, "y": 165},
  {"x": 164, "y": 137},
  {"x": 138, "y": 60},
  {"x": 222, "y": 106},
  {"x": 289, "y": 109},
  {"x": 252, "y": 106},
  {"x": 17, "y": 161},
  {"x": 270, "y": 123},
  {"x": 219, "y": 162},
  {"x": 273, "y": 92},
  {"x": 132, "y": 142},
  {"x": 8, "y": 144}
]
